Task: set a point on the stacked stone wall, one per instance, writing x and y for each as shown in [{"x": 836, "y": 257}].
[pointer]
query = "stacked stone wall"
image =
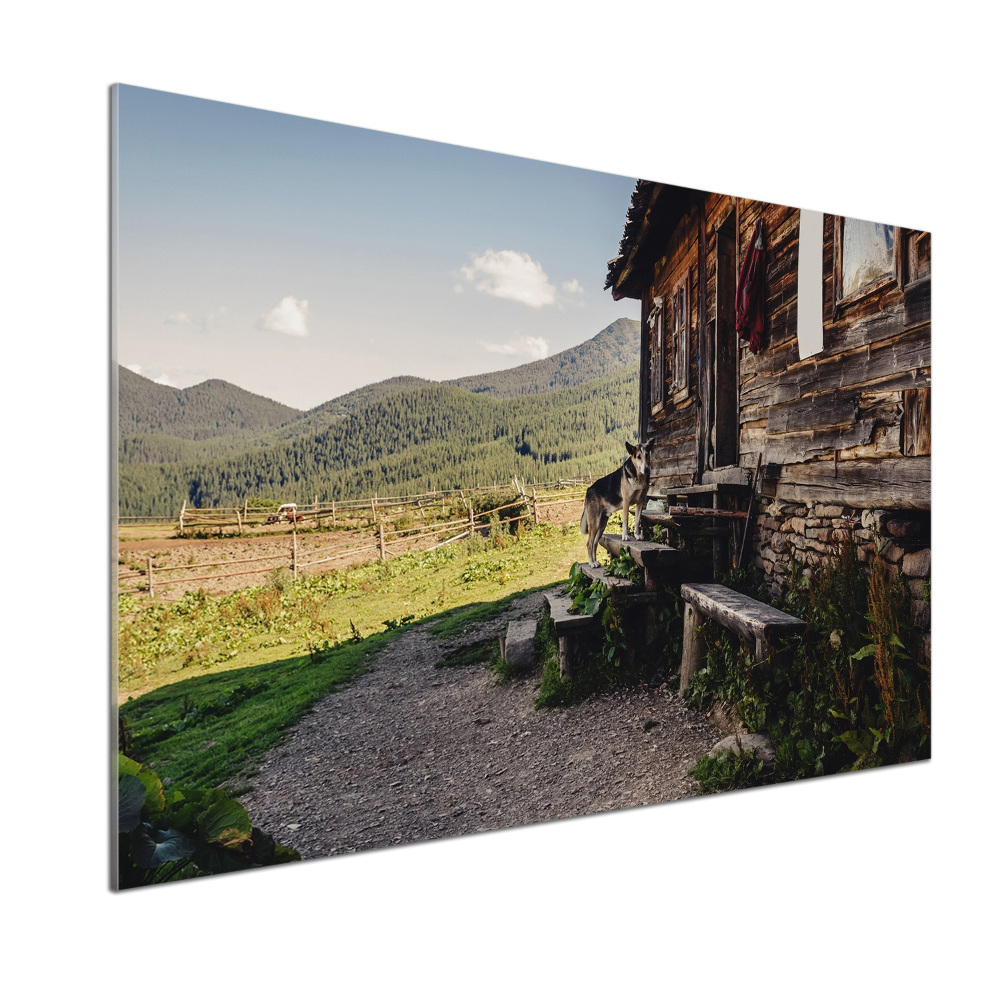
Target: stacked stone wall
[{"x": 810, "y": 533}]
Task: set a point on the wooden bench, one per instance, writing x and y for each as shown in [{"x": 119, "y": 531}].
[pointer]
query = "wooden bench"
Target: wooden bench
[{"x": 760, "y": 623}]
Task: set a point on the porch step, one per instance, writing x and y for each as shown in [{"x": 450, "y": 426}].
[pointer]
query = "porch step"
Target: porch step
[
  {"x": 631, "y": 592},
  {"x": 649, "y": 555}
]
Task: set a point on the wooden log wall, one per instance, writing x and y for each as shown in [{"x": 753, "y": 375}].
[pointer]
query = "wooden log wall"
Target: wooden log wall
[
  {"x": 674, "y": 457},
  {"x": 851, "y": 424}
]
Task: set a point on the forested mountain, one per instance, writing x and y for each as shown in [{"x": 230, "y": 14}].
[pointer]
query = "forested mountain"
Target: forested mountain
[
  {"x": 209, "y": 409},
  {"x": 428, "y": 436},
  {"x": 215, "y": 444},
  {"x": 616, "y": 346}
]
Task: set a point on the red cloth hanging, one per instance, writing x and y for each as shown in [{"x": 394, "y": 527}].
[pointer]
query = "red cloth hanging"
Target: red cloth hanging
[{"x": 750, "y": 297}]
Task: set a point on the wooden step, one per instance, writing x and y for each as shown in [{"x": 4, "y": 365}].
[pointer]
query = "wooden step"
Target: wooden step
[
  {"x": 563, "y": 618},
  {"x": 649, "y": 555},
  {"x": 623, "y": 588}
]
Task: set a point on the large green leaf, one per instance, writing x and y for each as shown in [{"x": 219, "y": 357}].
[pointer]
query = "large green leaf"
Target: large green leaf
[
  {"x": 152, "y": 847},
  {"x": 131, "y": 796},
  {"x": 226, "y": 823},
  {"x": 155, "y": 802}
]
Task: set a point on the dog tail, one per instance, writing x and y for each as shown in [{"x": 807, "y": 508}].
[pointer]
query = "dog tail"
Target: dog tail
[{"x": 583, "y": 520}]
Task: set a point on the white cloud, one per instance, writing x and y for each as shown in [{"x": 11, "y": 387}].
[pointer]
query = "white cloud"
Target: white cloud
[
  {"x": 178, "y": 319},
  {"x": 531, "y": 347},
  {"x": 509, "y": 274},
  {"x": 573, "y": 287},
  {"x": 135, "y": 368},
  {"x": 164, "y": 380},
  {"x": 288, "y": 316}
]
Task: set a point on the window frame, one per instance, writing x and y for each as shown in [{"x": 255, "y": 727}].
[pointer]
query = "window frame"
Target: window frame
[
  {"x": 680, "y": 333},
  {"x": 657, "y": 354},
  {"x": 891, "y": 279}
]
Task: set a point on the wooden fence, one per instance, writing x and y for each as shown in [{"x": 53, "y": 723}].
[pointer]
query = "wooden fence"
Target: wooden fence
[{"x": 374, "y": 517}]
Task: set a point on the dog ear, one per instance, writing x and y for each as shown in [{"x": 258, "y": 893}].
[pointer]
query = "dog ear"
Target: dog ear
[
  {"x": 631, "y": 448},
  {"x": 647, "y": 444}
]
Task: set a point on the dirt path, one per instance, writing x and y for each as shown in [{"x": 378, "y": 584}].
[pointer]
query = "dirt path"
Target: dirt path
[{"x": 411, "y": 752}]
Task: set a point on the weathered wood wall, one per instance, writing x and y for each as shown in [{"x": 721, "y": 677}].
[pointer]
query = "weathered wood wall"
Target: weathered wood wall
[{"x": 851, "y": 424}]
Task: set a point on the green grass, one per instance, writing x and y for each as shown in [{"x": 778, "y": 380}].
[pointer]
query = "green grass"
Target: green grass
[
  {"x": 200, "y": 634},
  {"x": 209, "y": 730},
  {"x": 475, "y": 654},
  {"x": 221, "y": 698}
]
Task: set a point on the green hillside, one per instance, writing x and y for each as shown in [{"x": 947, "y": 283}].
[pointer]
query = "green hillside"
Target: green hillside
[
  {"x": 209, "y": 409},
  {"x": 616, "y": 346},
  {"x": 429, "y": 436}
]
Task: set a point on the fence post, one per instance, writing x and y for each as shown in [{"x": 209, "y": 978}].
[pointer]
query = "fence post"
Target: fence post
[
  {"x": 472, "y": 519},
  {"x": 149, "y": 572},
  {"x": 333, "y": 513},
  {"x": 381, "y": 541},
  {"x": 239, "y": 521},
  {"x": 180, "y": 529},
  {"x": 245, "y": 508},
  {"x": 374, "y": 515},
  {"x": 534, "y": 504},
  {"x": 295, "y": 554}
]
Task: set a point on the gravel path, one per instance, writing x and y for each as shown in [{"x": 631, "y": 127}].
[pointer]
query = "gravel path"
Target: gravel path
[{"x": 410, "y": 752}]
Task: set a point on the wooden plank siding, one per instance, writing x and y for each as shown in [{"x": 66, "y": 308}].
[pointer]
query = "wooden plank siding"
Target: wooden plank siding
[{"x": 850, "y": 424}]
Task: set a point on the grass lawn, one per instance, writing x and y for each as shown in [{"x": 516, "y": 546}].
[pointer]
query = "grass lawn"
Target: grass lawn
[{"x": 209, "y": 694}]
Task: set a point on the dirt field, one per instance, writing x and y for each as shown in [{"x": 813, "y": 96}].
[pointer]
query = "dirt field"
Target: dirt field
[{"x": 222, "y": 565}]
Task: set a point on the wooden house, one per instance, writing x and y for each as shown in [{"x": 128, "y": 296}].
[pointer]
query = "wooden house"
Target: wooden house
[{"x": 835, "y": 399}]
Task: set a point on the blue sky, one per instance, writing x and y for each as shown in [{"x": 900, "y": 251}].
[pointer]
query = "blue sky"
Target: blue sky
[{"x": 300, "y": 259}]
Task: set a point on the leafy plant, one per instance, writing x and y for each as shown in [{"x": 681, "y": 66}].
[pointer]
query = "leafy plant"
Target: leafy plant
[
  {"x": 728, "y": 771},
  {"x": 170, "y": 833}
]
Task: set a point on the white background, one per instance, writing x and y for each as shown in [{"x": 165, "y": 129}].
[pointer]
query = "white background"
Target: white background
[{"x": 880, "y": 884}]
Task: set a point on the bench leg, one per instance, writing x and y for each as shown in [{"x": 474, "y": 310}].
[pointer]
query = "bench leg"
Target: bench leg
[
  {"x": 693, "y": 656},
  {"x": 770, "y": 656},
  {"x": 565, "y": 658}
]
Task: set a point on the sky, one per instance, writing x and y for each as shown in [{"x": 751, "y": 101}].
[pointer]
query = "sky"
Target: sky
[{"x": 300, "y": 259}]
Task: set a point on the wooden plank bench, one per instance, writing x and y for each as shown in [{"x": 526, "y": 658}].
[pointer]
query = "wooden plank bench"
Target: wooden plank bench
[
  {"x": 571, "y": 629},
  {"x": 760, "y": 623}
]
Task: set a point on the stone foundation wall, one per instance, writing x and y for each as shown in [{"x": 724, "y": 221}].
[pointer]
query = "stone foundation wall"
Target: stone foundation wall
[{"x": 811, "y": 532}]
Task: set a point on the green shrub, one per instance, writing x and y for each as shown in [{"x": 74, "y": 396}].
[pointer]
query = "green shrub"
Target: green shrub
[
  {"x": 728, "y": 771},
  {"x": 166, "y": 833}
]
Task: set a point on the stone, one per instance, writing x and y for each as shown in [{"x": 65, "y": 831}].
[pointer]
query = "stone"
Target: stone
[
  {"x": 797, "y": 525},
  {"x": 893, "y": 553},
  {"x": 902, "y": 528},
  {"x": 519, "y": 646},
  {"x": 828, "y": 510},
  {"x": 756, "y": 742},
  {"x": 917, "y": 563},
  {"x": 921, "y": 611},
  {"x": 815, "y": 522},
  {"x": 872, "y": 519},
  {"x": 779, "y": 543}
]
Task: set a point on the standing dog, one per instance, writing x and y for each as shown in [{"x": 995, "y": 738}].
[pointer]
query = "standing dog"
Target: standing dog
[{"x": 621, "y": 489}]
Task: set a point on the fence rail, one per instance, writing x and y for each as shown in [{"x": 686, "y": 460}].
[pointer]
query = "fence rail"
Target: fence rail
[{"x": 374, "y": 517}]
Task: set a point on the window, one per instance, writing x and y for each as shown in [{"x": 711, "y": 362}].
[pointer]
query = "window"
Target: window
[
  {"x": 679, "y": 308},
  {"x": 655, "y": 322},
  {"x": 867, "y": 258}
]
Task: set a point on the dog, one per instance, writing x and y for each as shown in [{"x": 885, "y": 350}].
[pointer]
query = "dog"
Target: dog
[{"x": 619, "y": 490}]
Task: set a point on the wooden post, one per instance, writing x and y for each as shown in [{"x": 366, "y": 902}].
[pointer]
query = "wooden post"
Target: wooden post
[
  {"x": 149, "y": 573},
  {"x": 333, "y": 512},
  {"x": 180, "y": 529},
  {"x": 693, "y": 655},
  {"x": 381, "y": 541},
  {"x": 239, "y": 521},
  {"x": 472, "y": 518},
  {"x": 374, "y": 515},
  {"x": 295, "y": 554},
  {"x": 244, "y": 508},
  {"x": 534, "y": 504}
]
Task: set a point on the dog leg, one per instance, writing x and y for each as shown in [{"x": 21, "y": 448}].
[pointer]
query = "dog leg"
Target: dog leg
[{"x": 625, "y": 507}]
